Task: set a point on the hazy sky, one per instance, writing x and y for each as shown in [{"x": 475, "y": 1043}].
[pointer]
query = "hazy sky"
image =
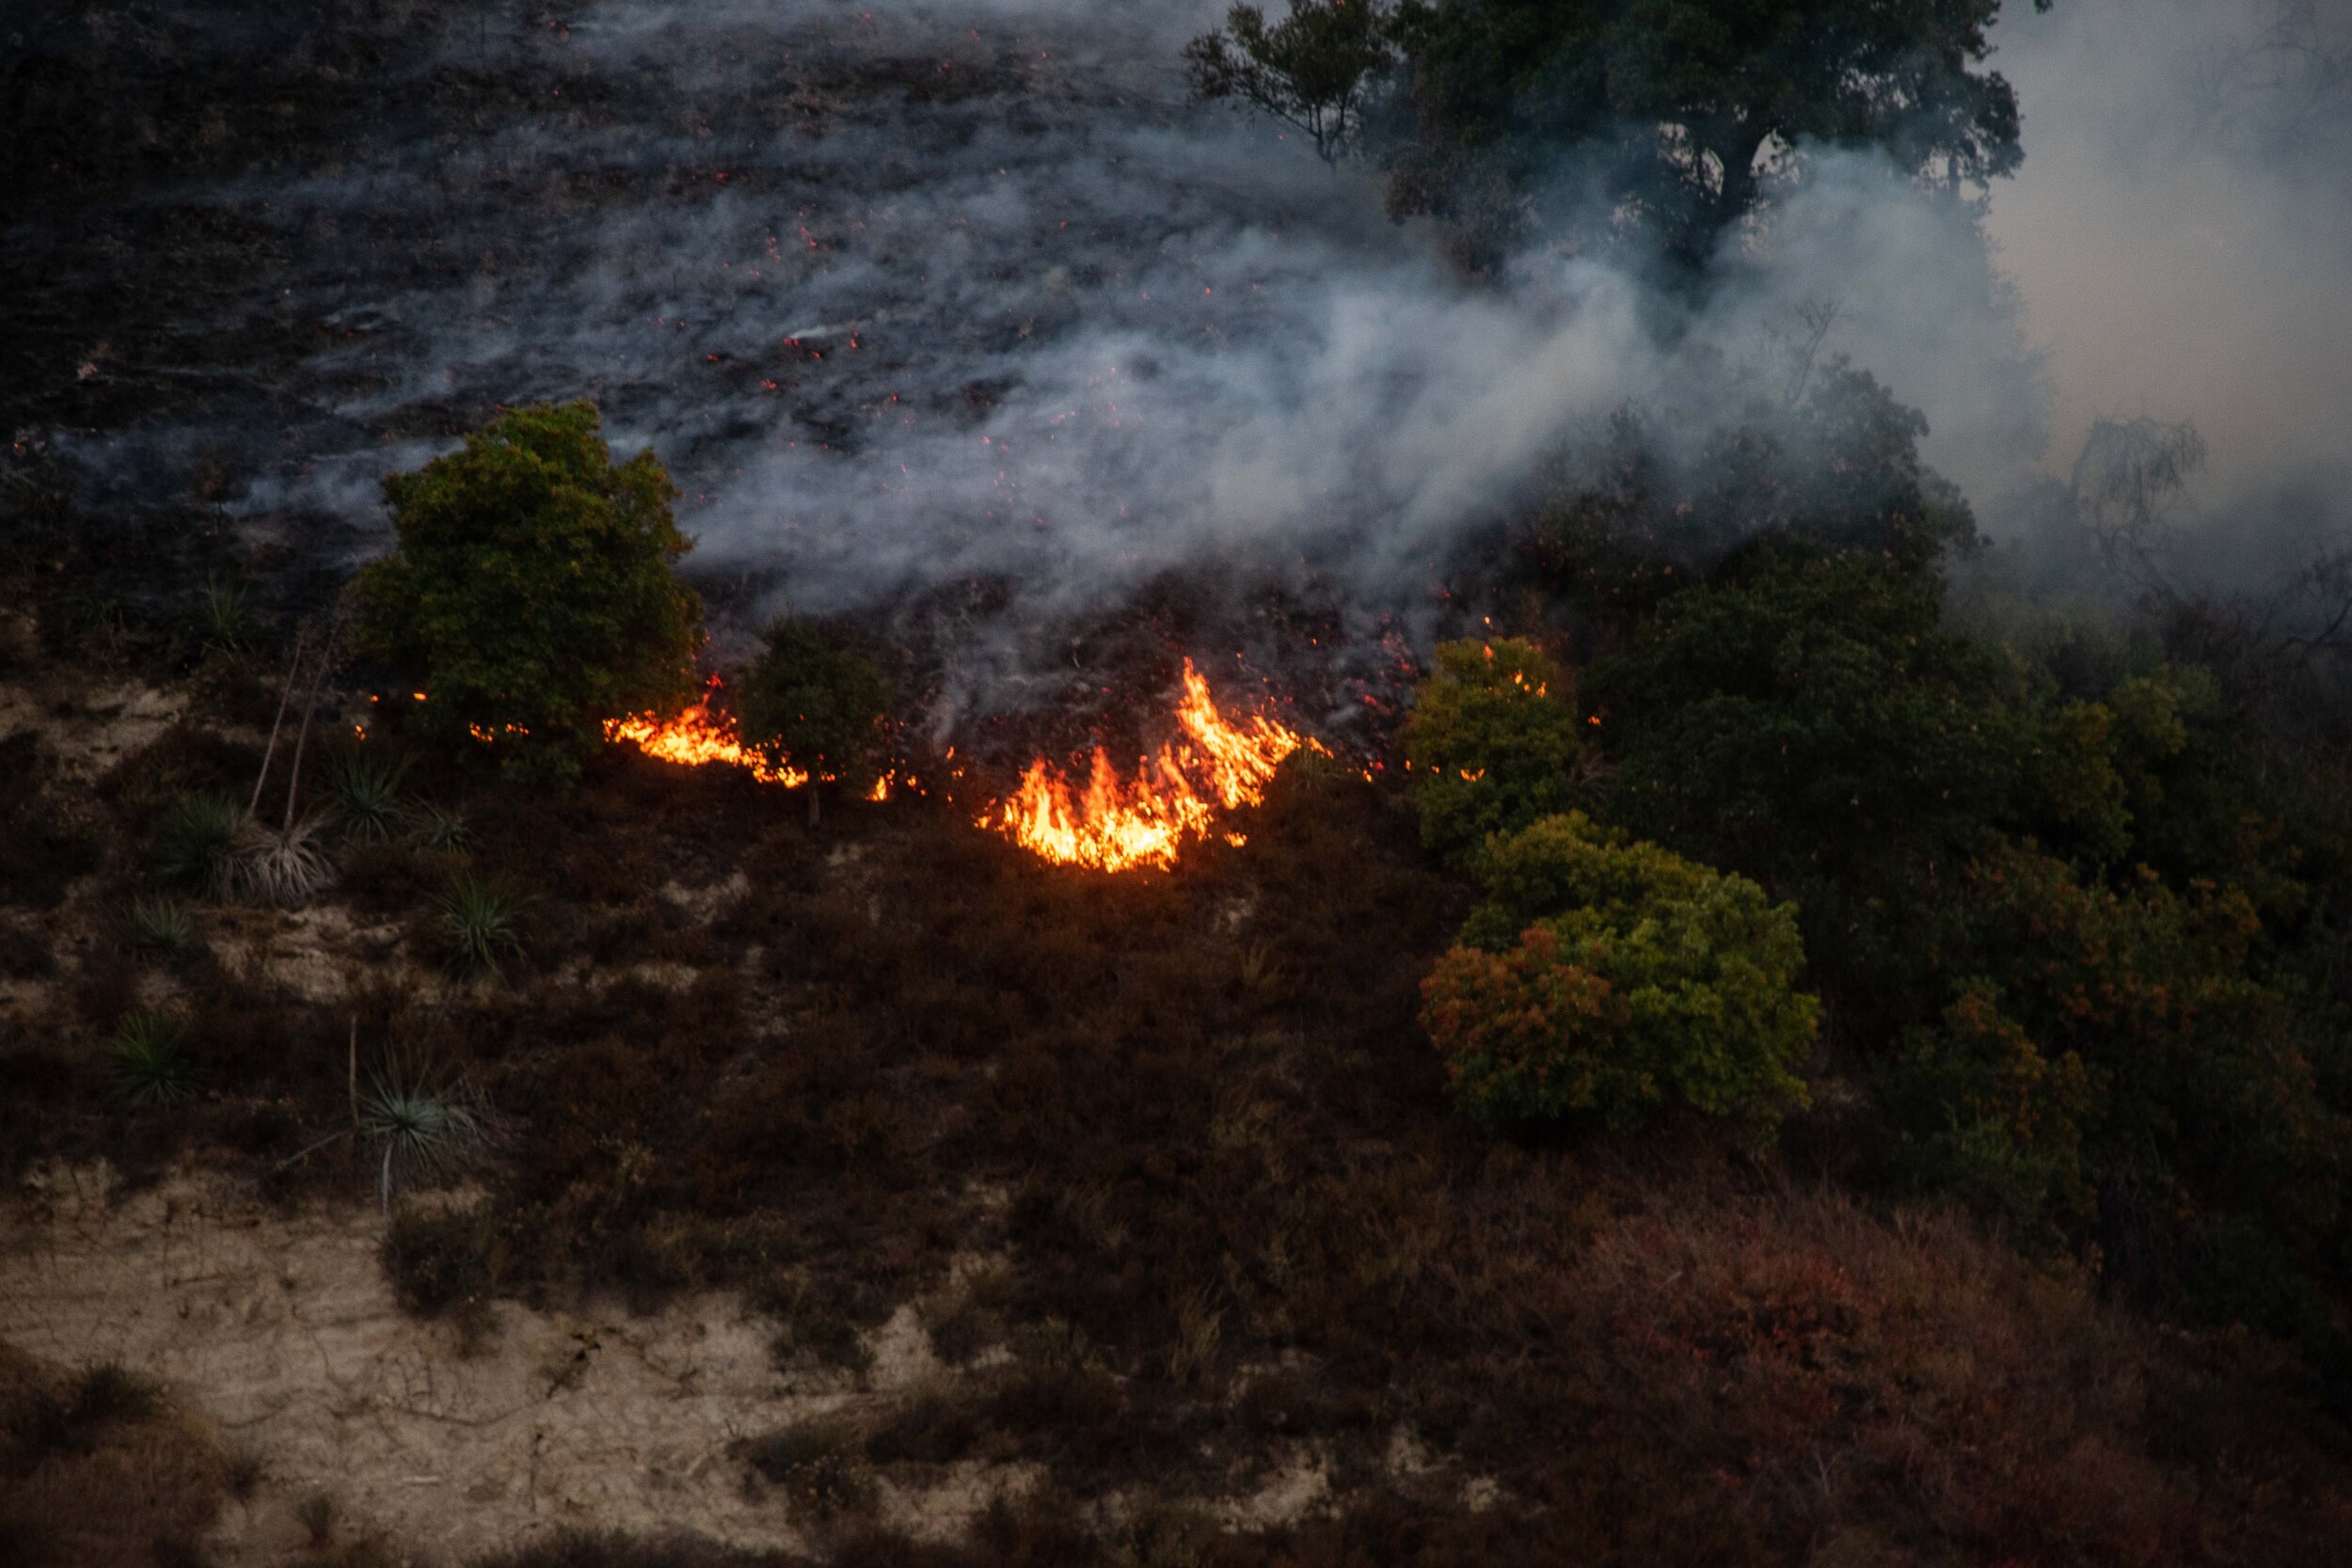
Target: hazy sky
[{"x": 2181, "y": 234}]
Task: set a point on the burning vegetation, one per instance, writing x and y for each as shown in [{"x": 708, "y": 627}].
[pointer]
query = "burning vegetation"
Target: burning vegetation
[{"x": 1111, "y": 822}]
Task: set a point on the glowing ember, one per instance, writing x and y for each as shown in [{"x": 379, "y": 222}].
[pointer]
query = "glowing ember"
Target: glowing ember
[
  {"x": 1117, "y": 824},
  {"x": 698, "y": 736}
]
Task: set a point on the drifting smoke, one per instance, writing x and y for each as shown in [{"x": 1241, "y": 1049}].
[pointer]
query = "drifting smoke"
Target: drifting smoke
[
  {"x": 934, "y": 295},
  {"x": 2180, "y": 237}
]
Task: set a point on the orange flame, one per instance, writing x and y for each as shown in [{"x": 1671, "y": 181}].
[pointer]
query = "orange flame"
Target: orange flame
[
  {"x": 1116, "y": 824},
  {"x": 1111, "y": 823},
  {"x": 698, "y": 736}
]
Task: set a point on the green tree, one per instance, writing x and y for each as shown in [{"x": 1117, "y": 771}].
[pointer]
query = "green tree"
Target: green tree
[
  {"x": 1807, "y": 718},
  {"x": 1686, "y": 107},
  {"x": 1677, "y": 113},
  {"x": 1490, "y": 743},
  {"x": 816, "y": 705},
  {"x": 1662, "y": 983},
  {"x": 529, "y": 595},
  {"x": 1312, "y": 70}
]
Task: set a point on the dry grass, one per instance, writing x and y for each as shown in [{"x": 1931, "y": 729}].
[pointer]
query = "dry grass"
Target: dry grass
[{"x": 97, "y": 1471}]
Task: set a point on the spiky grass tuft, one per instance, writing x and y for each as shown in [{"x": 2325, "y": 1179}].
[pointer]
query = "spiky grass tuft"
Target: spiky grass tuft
[
  {"x": 150, "y": 1058},
  {"x": 439, "y": 827},
  {"x": 286, "y": 866},
  {"x": 195, "y": 841},
  {"x": 481, "y": 923},
  {"x": 161, "y": 923},
  {"x": 426, "y": 1125},
  {"x": 224, "y": 617},
  {"x": 365, "y": 795}
]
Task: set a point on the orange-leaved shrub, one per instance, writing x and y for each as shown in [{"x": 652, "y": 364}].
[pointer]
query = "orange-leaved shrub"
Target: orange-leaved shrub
[{"x": 1637, "y": 982}]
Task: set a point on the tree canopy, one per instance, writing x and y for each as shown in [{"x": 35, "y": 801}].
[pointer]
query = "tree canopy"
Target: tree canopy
[
  {"x": 529, "y": 597},
  {"x": 817, "y": 705},
  {"x": 1674, "y": 113}
]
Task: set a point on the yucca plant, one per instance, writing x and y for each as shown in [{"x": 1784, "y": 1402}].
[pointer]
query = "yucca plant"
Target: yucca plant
[
  {"x": 149, "y": 1054},
  {"x": 161, "y": 923},
  {"x": 426, "y": 1125},
  {"x": 439, "y": 827},
  {"x": 286, "y": 866},
  {"x": 365, "y": 795},
  {"x": 481, "y": 923},
  {"x": 194, "y": 840},
  {"x": 224, "y": 617}
]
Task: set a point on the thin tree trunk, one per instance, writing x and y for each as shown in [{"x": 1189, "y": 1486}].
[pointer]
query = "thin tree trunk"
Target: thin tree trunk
[
  {"x": 309, "y": 707},
  {"x": 815, "y": 802},
  {"x": 294, "y": 672}
]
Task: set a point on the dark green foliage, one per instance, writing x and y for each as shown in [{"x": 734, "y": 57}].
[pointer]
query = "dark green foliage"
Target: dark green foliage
[
  {"x": 1667, "y": 105},
  {"x": 1621, "y": 981},
  {"x": 439, "y": 827},
  {"x": 531, "y": 596},
  {"x": 1312, "y": 70},
  {"x": 364, "y": 794},
  {"x": 159, "y": 923},
  {"x": 193, "y": 841},
  {"x": 1805, "y": 719},
  {"x": 1489, "y": 744},
  {"x": 478, "y": 925},
  {"x": 814, "y": 702},
  {"x": 425, "y": 1124},
  {"x": 225, "y": 622},
  {"x": 148, "y": 1054},
  {"x": 1826, "y": 458}
]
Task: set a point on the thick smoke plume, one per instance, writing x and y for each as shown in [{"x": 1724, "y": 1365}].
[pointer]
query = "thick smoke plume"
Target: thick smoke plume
[{"x": 923, "y": 297}]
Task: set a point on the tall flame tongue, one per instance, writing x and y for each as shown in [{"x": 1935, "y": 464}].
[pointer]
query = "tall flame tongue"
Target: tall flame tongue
[{"x": 1117, "y": 824}]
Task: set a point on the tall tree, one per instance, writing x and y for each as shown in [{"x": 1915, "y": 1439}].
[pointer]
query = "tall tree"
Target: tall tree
[{"x": 1675, "y": 112}]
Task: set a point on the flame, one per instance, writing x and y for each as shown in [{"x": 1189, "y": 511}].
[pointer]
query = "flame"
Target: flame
[
  {"x": 1112, "y": 823},
  {"x": 1117, "y": 824},
  {"x": 698, "y": 736}
]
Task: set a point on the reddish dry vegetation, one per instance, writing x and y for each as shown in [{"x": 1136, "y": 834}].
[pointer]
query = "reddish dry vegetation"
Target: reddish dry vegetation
[
  {"x": 1193, "y": 1152},
  {"x": 98, "y": 1471}
]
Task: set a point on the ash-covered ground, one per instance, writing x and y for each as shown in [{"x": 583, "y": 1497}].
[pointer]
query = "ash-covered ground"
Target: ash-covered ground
[{"x": 957, "y": 309}]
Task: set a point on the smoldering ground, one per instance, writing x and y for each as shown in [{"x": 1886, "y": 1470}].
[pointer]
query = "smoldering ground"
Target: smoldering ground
[{"x": 918, "y": 296}]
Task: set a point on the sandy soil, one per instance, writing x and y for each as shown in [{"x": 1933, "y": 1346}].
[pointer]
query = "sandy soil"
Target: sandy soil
[{"x": 283, "y": 1331}]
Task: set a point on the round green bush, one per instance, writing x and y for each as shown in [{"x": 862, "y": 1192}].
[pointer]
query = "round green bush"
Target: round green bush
[{"x": 1636, "y": 982}]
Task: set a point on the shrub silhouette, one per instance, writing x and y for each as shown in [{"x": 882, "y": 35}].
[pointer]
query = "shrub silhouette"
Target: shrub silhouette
[
  {"x": 531, "y": 595},
  {"x": 1662, "y": 983},
  {"x": 817, "y": 705}
]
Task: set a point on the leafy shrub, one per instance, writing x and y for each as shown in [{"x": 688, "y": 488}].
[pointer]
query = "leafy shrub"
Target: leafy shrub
[
  {"x": 1662, "y": 983},
  {"x": 479, "y": 923},
  {"x": 365, "y": 797},
  {"x": 193, "y": 841},
  {"x": 148, "y": 1056},
  {"x": 1490, "y": 743},
  {"x": 531, "y": 595},
  {"x": 817, "y": 705}
]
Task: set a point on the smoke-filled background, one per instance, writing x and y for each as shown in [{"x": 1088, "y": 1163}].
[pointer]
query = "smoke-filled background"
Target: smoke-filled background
[{"x": 962, "y": 305}]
